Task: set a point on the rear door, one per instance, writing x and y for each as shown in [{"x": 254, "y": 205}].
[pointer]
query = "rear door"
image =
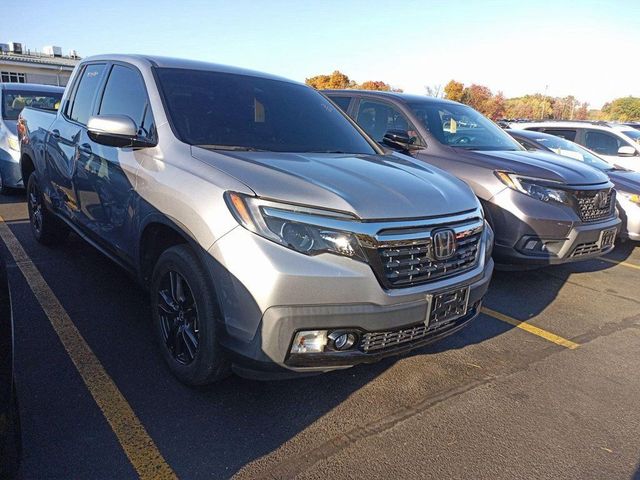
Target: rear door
[
  {"x": 105, "y": 179},
  {"x": 68, "y": 139}
]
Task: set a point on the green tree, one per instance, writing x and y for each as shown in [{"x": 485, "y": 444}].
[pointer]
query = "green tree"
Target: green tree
[
  {"x": 624, "y": 109},
  {"x": 453, "y": 91}
]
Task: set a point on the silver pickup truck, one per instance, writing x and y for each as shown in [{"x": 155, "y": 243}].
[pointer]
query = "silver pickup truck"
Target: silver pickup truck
[{"x": 274, "y": 236}]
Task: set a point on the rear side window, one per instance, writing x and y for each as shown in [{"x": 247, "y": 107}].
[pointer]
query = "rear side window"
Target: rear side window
[
  {"x": 81, "y": 108},
  {"x": 342, "y": 102},
  {"x": 562, "y": 133},
  {"x": 124, "y": 94}
]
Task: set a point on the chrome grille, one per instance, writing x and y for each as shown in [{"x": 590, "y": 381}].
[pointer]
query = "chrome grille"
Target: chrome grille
[
  {"x": 374, "y": 341},
  {"x": 413, "y": 264},
  {"x": 586, "y": 249},
  {"x": 588, "y": 208}
]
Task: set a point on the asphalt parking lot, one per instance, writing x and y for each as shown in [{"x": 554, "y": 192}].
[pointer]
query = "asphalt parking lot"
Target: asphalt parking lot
[{"x": 555, "y": 397}]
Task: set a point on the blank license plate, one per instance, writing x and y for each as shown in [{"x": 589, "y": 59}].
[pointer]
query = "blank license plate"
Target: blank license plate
[{"x": 448, "y": 306}]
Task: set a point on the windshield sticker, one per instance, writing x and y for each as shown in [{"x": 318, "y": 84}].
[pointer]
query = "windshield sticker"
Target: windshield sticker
[{"x": 453, "y": 127}]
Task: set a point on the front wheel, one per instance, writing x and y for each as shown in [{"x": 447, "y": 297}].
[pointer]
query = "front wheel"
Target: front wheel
[
  {"x": 185, "y": 317},
  {"x": 46, "y": 227}
]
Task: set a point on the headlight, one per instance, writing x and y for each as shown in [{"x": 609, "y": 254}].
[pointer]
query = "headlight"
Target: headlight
[
  {"x": 632, "y": 197},
  {"x": 489, "y": 239},
  {"x": 297, "y": 228},
  {"x": 14, "y": 144},
  {"x": 534, "y": 187}
]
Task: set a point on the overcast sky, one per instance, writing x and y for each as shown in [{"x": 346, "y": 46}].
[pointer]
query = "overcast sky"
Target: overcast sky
[{"x": 585, "y": 48}]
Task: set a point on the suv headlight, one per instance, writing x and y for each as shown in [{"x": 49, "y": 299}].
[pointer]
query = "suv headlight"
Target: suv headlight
[
  {"x": 534, "y": 187},
  {"x": 632, "y": 197},
  {"x": 297, "y": 228}
]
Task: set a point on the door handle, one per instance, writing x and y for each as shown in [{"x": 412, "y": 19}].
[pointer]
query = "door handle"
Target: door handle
[
  {"x": 55, "y": 133},
  {"x": 85, "y": 148}
]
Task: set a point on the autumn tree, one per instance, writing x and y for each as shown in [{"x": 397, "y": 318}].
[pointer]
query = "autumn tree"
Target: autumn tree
[
  {"x": 453, "y": 91},
  {"x": 477, "y": 96},
  {"x": 495, "y": 107},
  {"x": 337, "y": 80},
  {"x": 377, "y": 85},
  {"x": 582, "y": 113},
  {"x": 624, "y": 109}
]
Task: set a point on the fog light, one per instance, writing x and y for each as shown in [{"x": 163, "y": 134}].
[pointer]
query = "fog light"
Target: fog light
[
  {"x": 341, "y": 340},
  {"x": 309, "y": 341}
]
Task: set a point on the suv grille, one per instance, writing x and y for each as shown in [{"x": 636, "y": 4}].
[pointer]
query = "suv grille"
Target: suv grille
[
  {"x": 589, "y": 207},
  {"x": 413, "y": 264}
]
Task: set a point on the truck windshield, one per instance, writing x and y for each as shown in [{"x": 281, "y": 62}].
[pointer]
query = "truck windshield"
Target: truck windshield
[
  {"x": 226, "y": 111},
  {"x": 13, "y": 101},
  {"x": 462, "y": 127}
]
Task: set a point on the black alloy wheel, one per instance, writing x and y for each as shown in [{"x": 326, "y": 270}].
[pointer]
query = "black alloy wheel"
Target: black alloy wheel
[{"x": 178, "y": 315}]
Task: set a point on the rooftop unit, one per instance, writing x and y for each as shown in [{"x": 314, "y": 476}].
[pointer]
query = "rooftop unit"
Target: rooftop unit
[{"x": 52, "y": 51}]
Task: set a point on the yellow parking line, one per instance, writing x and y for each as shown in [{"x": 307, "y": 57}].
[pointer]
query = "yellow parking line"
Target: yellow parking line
[
  {"x": 134, "y": 439},
  {"x": 616, "y": 262},
  {"x": 552, "y": 337}
]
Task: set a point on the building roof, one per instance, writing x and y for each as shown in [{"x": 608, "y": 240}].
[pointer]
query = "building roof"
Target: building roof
[{"x": 66, "y": 63}]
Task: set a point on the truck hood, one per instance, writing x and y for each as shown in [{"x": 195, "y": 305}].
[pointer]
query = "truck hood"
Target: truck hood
[
  {"x": 370, "y": 186},
  {"x": 536, "y": 164}
]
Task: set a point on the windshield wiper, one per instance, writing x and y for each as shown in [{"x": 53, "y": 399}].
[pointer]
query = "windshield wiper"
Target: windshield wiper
[{"x": 232, "y": 148}]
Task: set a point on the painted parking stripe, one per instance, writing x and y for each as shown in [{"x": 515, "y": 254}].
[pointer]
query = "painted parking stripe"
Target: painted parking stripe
[
  {"x": 141, "y": 450},
  {"x": 552, "y": 337},
  {"x": 617, "y": 262}
]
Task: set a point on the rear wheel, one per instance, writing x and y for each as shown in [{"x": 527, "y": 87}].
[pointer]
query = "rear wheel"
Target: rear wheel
[
  {"x": 46, "y": 227},
  {"x": 185, "y": 316}
]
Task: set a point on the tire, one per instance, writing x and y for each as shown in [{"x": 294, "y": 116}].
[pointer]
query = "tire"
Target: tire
[
  {"x": 185, "y": 314},
  {"x": 45, "y": 226}
]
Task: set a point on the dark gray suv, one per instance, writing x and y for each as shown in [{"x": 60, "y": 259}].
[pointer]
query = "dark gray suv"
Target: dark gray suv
[{"x": 544, "y": 209}]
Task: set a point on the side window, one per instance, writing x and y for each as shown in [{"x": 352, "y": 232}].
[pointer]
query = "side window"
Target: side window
[
  {"x": 603, "y": 143},
  {"x": 82, "y": 103},
  {"x": 377, "y": 118},
  {"x": 562, "y": 133},
  {"x": 125, "y": 94},
  {"x": 342, "y": 102}
]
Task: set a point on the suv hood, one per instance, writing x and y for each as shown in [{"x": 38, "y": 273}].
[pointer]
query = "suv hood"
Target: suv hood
[
  {"x": 536, "y": 164},
  {"x": 370, "y": 186}
]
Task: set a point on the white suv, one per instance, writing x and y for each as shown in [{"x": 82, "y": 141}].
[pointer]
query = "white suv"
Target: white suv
[{"x": 618, "y": 144}]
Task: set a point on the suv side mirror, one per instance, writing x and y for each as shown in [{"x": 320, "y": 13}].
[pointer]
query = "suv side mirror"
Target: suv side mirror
[
  {"x": 116, "y": 131},
  {"x": 626, "y": 151},
  {"x": 400, "y": 140}
]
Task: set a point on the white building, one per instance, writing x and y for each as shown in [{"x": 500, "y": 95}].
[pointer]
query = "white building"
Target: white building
[{"x": 48, "y": 67}]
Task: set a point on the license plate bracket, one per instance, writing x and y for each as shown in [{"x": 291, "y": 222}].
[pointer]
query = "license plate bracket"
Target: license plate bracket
[
  {"x": 447, "y": 306},
  {"x": 607, "y": 237}
]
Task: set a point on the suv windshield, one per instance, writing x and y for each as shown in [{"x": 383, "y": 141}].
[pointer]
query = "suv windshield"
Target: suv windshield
[
  {"x": 13, "y": 101},
  {"x": 569, "y": 149},
  {"x": 241, "y": 112},
  {"x": 462, "y": 127}
]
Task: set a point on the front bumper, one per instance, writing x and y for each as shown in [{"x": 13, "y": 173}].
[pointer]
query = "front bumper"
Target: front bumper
[
  {"x": 518, "y": 218},
  {"x": 10, "y": 168},
  {"x": 268, "y": 293}
]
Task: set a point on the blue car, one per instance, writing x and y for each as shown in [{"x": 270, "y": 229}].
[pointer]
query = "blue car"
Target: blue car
[{"x": 13, "y": 98}]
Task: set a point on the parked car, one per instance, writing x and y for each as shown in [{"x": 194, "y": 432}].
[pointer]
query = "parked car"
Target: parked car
[
  {"x": 10, "y": 437},
  {"x": 626, "y": 182},
  {"x": 544, "y": 209},
  {"x": 617, "y": 144},
  {"x": 13, "y": 98},
  {"x": 635, "y": 125},
  {"x": 274, "y": 237}
]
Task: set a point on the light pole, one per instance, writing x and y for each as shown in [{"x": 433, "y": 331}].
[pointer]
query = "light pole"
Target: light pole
[{"x": 544, "y": 101}]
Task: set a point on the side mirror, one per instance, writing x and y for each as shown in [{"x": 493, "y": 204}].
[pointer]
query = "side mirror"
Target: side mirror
[
  {"x": 115, "y": 131},
  {"x": 626, "y": 151},
  {"x": 400, "y": 140}
]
